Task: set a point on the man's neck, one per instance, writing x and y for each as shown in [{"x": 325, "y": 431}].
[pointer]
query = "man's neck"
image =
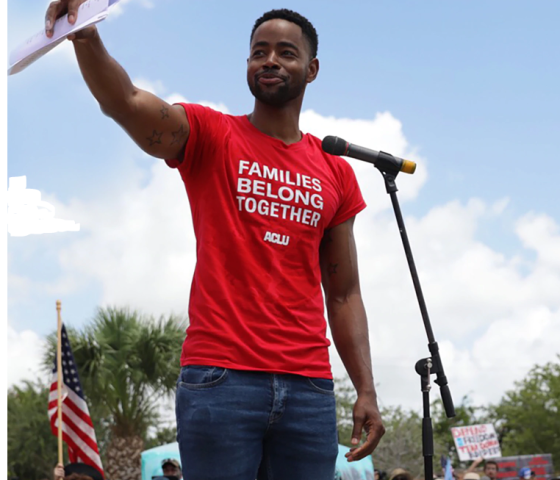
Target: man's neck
[{"x": 281, "y": 123}]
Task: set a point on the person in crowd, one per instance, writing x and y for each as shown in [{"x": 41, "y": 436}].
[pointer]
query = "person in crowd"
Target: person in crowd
[
  {"x": 471, "y": 476},
  {"x": 525, "y": 473},
  {"x": 76, "y": 471},
  {"x": 380, "y": 474},
  {"x": 400, "y": 474},
  {"x": 171, "y": 468},
  {"x": 490, "y": 468}
]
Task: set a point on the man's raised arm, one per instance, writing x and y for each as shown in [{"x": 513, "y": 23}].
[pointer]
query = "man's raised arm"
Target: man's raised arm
[{"x": 160, "y": 129}]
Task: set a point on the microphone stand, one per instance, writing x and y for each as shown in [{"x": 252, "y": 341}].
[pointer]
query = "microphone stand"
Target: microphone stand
[{"x": 425, "y": 367}]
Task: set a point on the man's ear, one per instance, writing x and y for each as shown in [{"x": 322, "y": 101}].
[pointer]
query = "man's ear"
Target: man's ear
[{"x": 313, "y": 70}]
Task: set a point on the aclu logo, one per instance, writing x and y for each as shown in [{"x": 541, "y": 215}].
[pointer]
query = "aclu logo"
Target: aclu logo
[{"x": 276, "y": 238}]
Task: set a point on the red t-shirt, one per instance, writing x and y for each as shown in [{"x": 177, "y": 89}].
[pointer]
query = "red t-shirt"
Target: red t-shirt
[{"x": 259, "y": 210}]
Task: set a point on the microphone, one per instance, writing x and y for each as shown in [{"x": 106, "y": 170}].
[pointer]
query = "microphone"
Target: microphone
[{"x": 382, "y": 160}]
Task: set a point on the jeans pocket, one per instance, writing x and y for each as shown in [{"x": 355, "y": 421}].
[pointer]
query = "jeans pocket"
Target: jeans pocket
[
  {"x": 198, "y": 377},
  {"x": 322, "y": 385}
]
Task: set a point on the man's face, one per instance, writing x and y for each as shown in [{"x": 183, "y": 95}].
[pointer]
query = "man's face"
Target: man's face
[
  {"x": 279, "y": 64},
  {"x": 171, "y": 470},
  {"x": 491, "y": 471}
]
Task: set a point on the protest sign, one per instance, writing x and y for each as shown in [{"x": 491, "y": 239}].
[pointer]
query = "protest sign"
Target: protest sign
[
  {"x": 476, "y": 441},
  {"x": 540, "y": 464}
]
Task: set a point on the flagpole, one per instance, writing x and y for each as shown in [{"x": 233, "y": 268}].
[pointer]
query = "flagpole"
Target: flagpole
[{"x": 59, "y": 380}]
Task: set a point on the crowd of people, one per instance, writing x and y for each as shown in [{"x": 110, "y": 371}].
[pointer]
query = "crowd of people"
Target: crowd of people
[
  {"x": 170, "y": 467},
  {"x": 171, "y": 470},
  {"x": 474, "y": 472}
]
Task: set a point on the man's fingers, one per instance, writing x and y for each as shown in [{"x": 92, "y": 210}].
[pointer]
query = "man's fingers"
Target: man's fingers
[
  {"x": 357, "y": 430},
  {"x": 366, "y": 449},
  {"x": 53, "y": 11}
]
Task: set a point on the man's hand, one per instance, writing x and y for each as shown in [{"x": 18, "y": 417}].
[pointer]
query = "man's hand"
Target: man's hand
[
  {"x": 60, "y": 8},
  {"x": 475, "y": 464},
  {"x": 366, "y": 417},
  {"x": 58, "y": 472}
]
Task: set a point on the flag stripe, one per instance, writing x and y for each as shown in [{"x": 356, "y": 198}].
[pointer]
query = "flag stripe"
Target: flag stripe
[
  {"x": 78, "y": 453},
  {"x": 66, "y": 392},
  {"x": 67, "y": 413},
  {"x": 86, "y": 442},
  {"x": 79, "y": 413}
]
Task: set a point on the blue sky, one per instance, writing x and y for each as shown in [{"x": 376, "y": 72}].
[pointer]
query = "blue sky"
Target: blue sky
[{"x": 467, "y": 89}]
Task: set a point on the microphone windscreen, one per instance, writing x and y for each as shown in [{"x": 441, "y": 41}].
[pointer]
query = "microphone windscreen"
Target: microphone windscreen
[{"x": 334, "y": 145}]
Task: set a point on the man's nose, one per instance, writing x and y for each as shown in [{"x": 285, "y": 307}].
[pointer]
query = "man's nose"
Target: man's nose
[{"x": 271, "y": 61}]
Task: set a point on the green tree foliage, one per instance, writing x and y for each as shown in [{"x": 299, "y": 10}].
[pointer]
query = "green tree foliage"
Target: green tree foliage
[
  {"x": 32, "y": 448},
  {"x": 528, "y": 417},
  {"x": 162, "y": 436},
  {"x": 401, "y": 446}
]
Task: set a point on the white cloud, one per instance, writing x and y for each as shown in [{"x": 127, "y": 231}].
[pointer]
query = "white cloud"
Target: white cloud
[
  {"x": 156, "y": 87},
  {"x": 178, "y": 98},
  {"x": 25, "y": 351},
  {"x": 28, "y": 214},
  {"x": 118, "y": 8},
  {"x": 384, "y": 132},
  {"x": 494, "y": 316}
]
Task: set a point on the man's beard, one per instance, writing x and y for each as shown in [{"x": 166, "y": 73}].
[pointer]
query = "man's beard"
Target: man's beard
[{"x": 282, "y": 94}]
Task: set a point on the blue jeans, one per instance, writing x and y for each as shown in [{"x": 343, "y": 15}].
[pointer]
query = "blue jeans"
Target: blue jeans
[{"x": 241, "y": 425}]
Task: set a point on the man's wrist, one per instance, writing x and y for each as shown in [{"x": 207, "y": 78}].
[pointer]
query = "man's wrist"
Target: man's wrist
[{"x": 368, "y": 391}]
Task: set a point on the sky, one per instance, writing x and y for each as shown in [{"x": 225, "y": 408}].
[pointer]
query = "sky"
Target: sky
[{"x": 468, "y": 90}]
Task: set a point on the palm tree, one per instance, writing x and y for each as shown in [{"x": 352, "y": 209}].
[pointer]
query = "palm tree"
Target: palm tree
[{"x": 126, "y": 363}]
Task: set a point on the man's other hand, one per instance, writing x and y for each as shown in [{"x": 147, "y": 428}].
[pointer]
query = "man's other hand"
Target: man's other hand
[{"x": 366, "y": 417}]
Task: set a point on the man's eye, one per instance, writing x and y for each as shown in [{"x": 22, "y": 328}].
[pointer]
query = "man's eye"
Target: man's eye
[
  {"x": 256, "y": 53},
  {"x": 288, "y": 52}
]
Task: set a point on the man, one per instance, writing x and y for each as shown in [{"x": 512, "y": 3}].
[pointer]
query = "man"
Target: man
[
  {"x": 171, "y": 468},
  {"x": 273, "y": 216},
  {"x": 525, "y": 473},
  {"x": 490, "y": 468}
]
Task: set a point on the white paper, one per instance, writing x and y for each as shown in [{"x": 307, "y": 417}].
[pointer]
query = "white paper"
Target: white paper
[{"x": 89, "y": 12}]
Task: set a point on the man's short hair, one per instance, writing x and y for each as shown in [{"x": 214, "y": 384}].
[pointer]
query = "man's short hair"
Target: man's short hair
[
  {"x": 306, "y": 26},
  {"x": 491, "y": 462}
]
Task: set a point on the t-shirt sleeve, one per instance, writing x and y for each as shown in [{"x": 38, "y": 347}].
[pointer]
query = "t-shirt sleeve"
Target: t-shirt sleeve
[
  {"x": 352, "y": 201},
  {"x": 206, "y": 127}
]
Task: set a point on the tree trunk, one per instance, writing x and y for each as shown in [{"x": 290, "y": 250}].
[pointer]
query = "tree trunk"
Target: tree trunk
[{"x": 123, "y": 459}]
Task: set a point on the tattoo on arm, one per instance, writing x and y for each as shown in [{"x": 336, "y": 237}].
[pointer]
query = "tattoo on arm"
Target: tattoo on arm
[
  {"x": 155, "y": 138},
  {"x": 178, "y": 135},
  {"x": 332, "y": 268},
  {"x": 164, "y": 112}
]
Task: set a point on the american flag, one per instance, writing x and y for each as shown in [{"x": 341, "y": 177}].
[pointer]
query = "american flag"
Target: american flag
[{"x": 77, "y": 428}]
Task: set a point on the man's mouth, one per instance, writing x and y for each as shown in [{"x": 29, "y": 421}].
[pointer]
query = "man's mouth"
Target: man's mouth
[{"x": 269, "y": 79}]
